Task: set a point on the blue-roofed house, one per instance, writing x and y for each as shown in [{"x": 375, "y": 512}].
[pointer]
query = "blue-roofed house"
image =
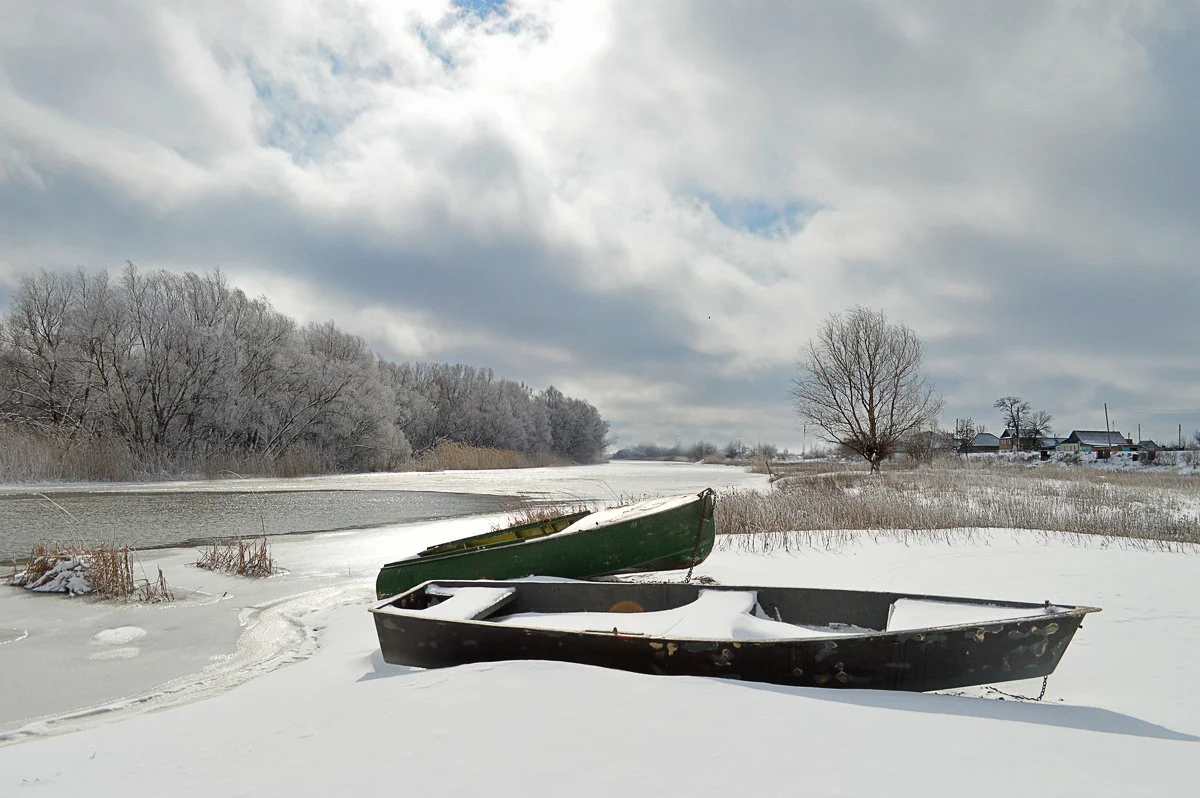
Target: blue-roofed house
[
  {"x": 1083, "y": 440},
  {"x": 983, "y": 442}
]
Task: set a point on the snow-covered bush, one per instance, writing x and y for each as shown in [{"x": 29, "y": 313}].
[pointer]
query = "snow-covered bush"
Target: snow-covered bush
[{"x": 105, "y": 571}]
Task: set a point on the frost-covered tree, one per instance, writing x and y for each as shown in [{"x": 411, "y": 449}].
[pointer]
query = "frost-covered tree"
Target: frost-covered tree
[{"x": 183, "y": 367}]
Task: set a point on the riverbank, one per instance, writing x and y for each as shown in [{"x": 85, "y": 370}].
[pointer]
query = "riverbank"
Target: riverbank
[
  {"x": 157, "y": 514},
  {"x": 221, "y": 629},
  {"x": 1101, "y": 730}
]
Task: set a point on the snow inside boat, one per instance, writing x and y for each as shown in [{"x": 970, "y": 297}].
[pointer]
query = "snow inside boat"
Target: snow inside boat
[{"x": 791, "y": 636}]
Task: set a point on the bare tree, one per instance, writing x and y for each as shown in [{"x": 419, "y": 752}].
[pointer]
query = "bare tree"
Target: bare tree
[
  {"x": 1012, "y": 409},
  {"x": 1039, "y": 425},
  {"x": 859, "y": 381},
  {"x": 964, "y": 433},
  {"x": 1026, "y": 423}
]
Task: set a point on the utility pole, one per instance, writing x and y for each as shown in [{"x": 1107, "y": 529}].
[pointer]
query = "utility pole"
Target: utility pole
[{"x": 1107, "y": 428}]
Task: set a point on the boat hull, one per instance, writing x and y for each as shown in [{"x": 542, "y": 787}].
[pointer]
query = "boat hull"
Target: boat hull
[
  {"x": 914, "y": 659},
  {"x": 673, "y": 539}
]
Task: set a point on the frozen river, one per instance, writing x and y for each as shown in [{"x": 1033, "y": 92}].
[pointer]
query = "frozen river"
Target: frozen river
[
  {"x": 157, "y": 518},
  {"x": 221, "y": 630},
  {"x": 158, "y": 514}
]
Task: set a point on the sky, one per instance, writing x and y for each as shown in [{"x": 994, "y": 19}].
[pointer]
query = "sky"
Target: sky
[{"x": 650, "y": 206}]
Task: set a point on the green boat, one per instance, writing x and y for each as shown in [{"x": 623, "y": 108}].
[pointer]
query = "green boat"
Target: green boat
[{"x": 652, "y": 535}]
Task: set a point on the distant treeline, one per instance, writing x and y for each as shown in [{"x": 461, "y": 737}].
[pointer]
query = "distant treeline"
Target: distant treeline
[
  {"x": 701, "y": 450},
  {"x": 175, "y": 371}
]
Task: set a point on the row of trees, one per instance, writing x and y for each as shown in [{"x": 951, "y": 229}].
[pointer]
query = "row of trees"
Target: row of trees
[
  {"x": 182, "y": 367},
  {"x": 733, "y": 450}
]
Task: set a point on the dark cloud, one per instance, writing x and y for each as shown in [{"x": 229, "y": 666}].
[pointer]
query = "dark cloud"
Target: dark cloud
[{"x": 653, "y": 204}]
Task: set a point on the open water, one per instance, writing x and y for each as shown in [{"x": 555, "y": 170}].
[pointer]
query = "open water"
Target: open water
[{"x": 184, "y": 518}]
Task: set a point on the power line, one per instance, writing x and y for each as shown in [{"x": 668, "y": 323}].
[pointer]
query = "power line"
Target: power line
[{"x": 1100, "y": 409}]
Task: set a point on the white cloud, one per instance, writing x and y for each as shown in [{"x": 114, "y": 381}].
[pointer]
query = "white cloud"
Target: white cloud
[{"x": 550, "y": 187}]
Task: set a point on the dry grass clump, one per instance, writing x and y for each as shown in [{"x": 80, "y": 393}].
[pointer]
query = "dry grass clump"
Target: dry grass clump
[
  {"x": 458, "y": 456},
  {"x": 928, "y": 500},
  {"x": 103, "y": 570},
  {"x": 238, "y": 557},
  {"x": 537, "y": 513},
  {"x": 37, "y": 455},
  {"x": 29, "y": 455},
  {"x": 782, "y": 470}
]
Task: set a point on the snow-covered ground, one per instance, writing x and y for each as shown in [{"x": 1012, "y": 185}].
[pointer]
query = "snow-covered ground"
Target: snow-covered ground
[{"x": 1120, "y": 716}]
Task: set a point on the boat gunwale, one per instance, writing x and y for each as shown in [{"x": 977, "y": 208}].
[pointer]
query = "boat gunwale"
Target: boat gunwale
[
  {"x": 560, "y": 535},
  {"x": 1068, "y": 612},
  {"x": 463, "y": 542}
]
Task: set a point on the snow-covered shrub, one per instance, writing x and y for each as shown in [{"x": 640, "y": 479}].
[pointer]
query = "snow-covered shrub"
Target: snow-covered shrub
[{"x": 105, "y": 571}]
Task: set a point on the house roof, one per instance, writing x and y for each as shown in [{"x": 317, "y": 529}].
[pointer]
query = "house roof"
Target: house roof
[
  {"x": 1028, "y": 433},
  {"x": 1089, "y": 437},
  {"x": 985, "y": 439}
]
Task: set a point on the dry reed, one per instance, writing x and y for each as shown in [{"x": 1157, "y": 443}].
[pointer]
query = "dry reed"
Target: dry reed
[
  {"x": 238, "y": 557},
  {"x": 457, "y": 456},
  {"x": 536, "y": 513},
  {"x": 1154, "y": 507},
  {"x": 102, "y": 570}
]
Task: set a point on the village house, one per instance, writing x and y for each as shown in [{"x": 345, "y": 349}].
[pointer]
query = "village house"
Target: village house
[
  {"x": 1030, "y": 441},
  {"x": 984, "y": 442},
  {"x": 1101, "y": 442}
]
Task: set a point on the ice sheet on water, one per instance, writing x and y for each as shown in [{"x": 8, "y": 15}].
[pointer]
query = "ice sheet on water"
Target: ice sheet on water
[{"x": 118, "y": 636}]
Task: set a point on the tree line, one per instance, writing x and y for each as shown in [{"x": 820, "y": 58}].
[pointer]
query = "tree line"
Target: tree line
[
  {"x": 179, "y": 368},
  {"x": 700, "y": 450}
]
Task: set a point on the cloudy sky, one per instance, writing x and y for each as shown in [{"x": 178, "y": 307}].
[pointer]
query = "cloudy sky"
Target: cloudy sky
[{"x": 650, "y": 205}]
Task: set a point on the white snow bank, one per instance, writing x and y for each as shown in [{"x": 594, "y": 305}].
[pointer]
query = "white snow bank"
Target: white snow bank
[
  {"x": 603, "y": 732},
  {"x": 1120, "y": 718}
]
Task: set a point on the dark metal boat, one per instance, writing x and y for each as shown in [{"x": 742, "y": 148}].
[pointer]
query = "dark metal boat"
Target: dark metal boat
[
  {"x": 652, "y": 535},
  {"x": 791, "y": 636}
]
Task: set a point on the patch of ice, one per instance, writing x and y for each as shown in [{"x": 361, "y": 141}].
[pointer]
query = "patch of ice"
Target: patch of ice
[
  {"x": 10, "y": 635},
  {"x": 118, "y": 636},
  {"x": 116, "y": 653}
]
